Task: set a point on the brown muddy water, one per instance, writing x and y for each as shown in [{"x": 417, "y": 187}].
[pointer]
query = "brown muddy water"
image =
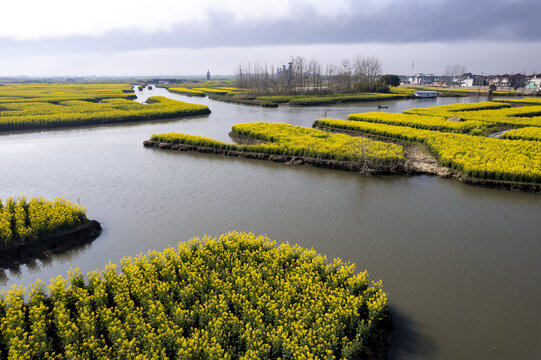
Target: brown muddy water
[{"x": 461, "y": 264}]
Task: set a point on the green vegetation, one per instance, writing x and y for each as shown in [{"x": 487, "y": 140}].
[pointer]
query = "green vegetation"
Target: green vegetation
[
  {"x": 285, "y": 139},
  {"x": 242, "y": 99},
  {"x": 207, "y": 87},
  {"x": 236, "y": 297},
  {"x": 22, "y": 220},
  {"x": 201, "y": 84},
  {"x": 442, "y": 91},
  {"x": 310, "y": 100},
  {"x": 40, "y": 114},
  {"x": 215, "y": 91},
  {"x": 390, "y": 80}
]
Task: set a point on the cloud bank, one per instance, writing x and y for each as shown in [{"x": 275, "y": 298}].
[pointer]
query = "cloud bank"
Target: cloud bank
[
  {"x": 206, "y": 23},
  {"x": 479, "y": 32}
]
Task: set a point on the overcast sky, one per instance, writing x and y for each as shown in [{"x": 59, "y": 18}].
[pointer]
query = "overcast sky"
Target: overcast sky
[{"x": 184, "y": 37}]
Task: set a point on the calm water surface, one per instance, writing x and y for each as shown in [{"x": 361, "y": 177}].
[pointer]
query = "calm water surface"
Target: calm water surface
[{"x": 461, "y": 264}]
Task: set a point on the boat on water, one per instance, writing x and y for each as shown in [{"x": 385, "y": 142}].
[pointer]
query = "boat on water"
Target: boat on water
[{"x": 426, "y": 93}]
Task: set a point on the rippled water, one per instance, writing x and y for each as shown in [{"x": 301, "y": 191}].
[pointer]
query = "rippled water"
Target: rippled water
[{"x": 460, "y": 263}]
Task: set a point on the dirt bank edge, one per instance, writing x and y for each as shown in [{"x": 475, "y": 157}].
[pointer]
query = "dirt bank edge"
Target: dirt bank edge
[
  {"x": 288, "y": 160},
  {"x": 421, "y": 161}
]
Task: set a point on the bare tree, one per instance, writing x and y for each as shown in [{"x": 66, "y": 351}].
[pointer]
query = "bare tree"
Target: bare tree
[
  {"x": 302, "y": 76},
  {"x": 366, "y": 70},
  {"x": 456, "y": 71},
  {"x": 360, "y": 149}
]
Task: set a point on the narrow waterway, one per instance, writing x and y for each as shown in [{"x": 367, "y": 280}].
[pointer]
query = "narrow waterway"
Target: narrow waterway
[{"x": 460, "y": 263}]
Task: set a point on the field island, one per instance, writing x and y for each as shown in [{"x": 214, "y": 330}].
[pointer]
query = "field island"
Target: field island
[
  {"x": 35, "y": 106},
  {"x": 34, "y": 228},
  {"x": 236, "y": 297},
  {"x": 293, "y": 145},
  {"x": 448, "y": 141},
  {"x": 224, "y": 90}
]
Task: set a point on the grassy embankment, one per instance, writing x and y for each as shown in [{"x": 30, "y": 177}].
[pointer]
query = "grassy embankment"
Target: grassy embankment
[
  {"x": 31, "y": 106},
  {"x": 457, "y": 92},
  {"x": 238, "y": 296},
  {"x": 458, "y": 144},
  {"x": 217, "y": 91},
  {"x": 329, "y": 99}
]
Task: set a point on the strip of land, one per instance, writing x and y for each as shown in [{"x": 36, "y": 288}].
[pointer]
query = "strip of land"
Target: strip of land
[{"x": 31, "y": 106}]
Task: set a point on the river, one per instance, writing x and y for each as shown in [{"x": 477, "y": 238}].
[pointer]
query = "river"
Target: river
[{"x": 461, "y": 264}]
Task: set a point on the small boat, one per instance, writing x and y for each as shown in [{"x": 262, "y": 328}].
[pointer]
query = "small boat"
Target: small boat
[{"x": 426, "y": 93}]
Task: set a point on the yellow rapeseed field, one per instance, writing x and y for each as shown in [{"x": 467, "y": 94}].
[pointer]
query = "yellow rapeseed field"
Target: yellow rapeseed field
[
  {"x": 476, "y": 156},
  {"x": 237, "y": 297},
  {"x": 285, "y": 139},
  {"x": 30, "y": 106},
  {"x": 21, "y": 219}
]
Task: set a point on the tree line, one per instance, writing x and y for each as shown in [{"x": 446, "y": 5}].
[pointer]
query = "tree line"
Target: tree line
[{"x": 309, "y": 76}]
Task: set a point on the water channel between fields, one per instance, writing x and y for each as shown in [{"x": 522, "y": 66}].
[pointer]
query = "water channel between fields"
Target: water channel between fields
[{"x": 460, "y": 263}]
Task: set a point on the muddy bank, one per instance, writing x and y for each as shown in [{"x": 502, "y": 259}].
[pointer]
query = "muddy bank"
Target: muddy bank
[
  {"x": 20, "y": 253},
  {"x": 357, "y": 166},
  {"x": 499, "y": 184},
  {"x": 420, "y": 160}
]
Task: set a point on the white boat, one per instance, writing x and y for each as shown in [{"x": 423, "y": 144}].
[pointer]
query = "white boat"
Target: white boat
[{"x": 426, "y": 93}]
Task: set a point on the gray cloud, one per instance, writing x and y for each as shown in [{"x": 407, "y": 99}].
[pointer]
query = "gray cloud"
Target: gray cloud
[{"x": 398, "y": 22}]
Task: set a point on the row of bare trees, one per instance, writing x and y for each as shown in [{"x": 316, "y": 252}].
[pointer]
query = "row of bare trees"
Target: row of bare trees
[{"x": 300, "y": 76}]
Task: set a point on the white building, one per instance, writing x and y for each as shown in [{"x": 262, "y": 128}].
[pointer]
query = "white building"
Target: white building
[
  {"x": 467, "y": 82},
  {"x": 534, "y": 83}
]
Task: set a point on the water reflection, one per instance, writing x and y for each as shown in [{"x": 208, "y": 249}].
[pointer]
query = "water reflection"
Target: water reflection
[
  {"x": 45, "y": 260},
  {"x": 408, "y": 341}
]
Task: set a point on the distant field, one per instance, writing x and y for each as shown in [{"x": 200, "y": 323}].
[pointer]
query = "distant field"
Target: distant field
[
  {"x": 308, "y": 100},
  {"x": 45, "y": 92},
  {"x": 461, "y": 91},
  {"x": 31, "y": 106}
]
